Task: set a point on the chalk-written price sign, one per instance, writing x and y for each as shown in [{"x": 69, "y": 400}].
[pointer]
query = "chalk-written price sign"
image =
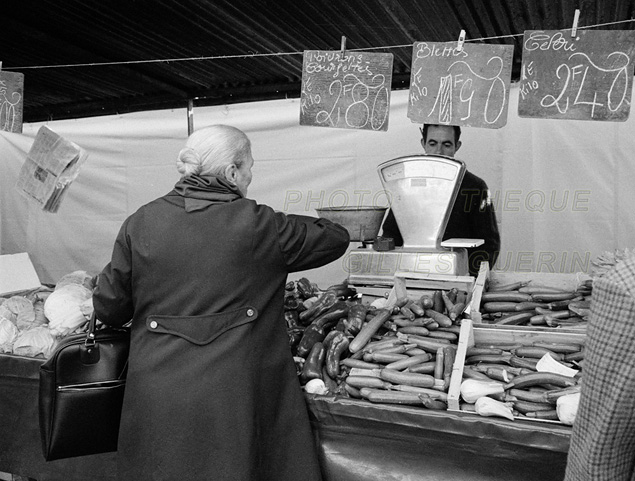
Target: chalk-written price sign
[
  {"x": 348, "y": 90},
  {"x": 588, "y": 77},
  {"x": 11, "y": 92},
  {"x": 460, "y": 86}
]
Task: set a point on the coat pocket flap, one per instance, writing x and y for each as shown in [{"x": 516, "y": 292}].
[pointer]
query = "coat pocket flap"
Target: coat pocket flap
[{"x": 201, "y": 330}]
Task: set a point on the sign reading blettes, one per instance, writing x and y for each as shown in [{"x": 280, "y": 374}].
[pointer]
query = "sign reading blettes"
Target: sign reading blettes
[
  {"x": 586, "y": 77},
  {"x": 11, "y": 99},
  {"x": 348, "y": 90},
  {"x": 466, "y": 85}
]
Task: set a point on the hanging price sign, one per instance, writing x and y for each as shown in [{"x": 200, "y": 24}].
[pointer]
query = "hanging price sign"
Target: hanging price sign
[
  {"x": 11, "y": 93},
  {"x": 467, "y": 85},
  {"x": 348, "y": 90},
  {"x": 586, "y": 77}
]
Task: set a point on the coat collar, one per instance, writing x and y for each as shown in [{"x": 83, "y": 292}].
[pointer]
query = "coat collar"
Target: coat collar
[{"x": 201, "y": 191}]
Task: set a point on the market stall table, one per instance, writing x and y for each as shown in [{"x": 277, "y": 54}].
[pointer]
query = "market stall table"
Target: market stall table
[
  {"x": 372, "y": 442},
  {"x": 357, "y": 440}
]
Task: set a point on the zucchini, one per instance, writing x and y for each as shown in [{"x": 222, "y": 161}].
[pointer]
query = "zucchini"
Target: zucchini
[
  {"x": 369, "y": 329},
  {"x": 505, "y": 296},
  {"x": 409, "y": 378},
  {"x": 367, "y": 381},
  {"x": 439, "y": 317},
  {"x": 394, "y": 397},
  {"x": 540, "y": 378}
]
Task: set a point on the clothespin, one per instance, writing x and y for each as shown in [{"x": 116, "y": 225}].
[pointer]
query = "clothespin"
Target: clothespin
[
  {"x": 574, "y": 28},
  {"x": 190, "y": 117},
  {"x": 461, "y": 41},
  {"x": 343, "y": 45}
]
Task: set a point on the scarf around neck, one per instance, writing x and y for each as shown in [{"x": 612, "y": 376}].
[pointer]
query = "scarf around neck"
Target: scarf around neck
[{"x": 201, "y": 191}]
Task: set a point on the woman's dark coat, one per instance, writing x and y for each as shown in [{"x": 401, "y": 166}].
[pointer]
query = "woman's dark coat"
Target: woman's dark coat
[{"x": 212, "y": 391}]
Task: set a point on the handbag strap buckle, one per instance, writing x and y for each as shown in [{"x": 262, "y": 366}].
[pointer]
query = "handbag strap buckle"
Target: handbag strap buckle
[{"x": 90, "y": 340}]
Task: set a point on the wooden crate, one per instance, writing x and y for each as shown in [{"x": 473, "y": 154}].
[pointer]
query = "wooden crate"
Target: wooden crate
[
  {"x": 487, "y": 278},
  {"x": 414, "y": 284},
  {"x": 480, "y": 334},
  {"x": 410, "y": 284}
]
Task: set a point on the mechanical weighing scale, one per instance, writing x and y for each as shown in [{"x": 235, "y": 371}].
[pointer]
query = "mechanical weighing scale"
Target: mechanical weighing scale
[{"x": 422, "y": 190}]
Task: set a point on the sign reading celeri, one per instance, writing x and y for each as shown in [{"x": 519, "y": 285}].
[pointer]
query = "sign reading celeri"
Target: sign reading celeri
[
  {"x": 466, "y": 85},
  {"x": 347, "y": 90},
  {"x": 586, "y": 77}
]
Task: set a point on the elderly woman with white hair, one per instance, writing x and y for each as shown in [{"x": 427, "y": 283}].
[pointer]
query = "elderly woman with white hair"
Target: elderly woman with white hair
[{"x": 212, "y": 391}]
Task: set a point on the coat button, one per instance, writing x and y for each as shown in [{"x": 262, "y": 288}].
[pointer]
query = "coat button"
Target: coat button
[
  {"x": 250, "y": 312},
  {"x": 153, "y": 324}
]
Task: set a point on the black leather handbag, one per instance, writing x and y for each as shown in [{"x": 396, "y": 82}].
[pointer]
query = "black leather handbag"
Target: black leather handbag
[{"x": 81, "y": 393}]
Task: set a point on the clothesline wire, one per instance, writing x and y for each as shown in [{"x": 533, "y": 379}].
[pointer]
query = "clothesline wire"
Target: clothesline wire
[{"x": 279, "y": 54}]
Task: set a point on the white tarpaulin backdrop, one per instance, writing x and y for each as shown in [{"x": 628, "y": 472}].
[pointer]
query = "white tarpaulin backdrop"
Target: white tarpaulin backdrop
[{"x": 562, "y": 189}]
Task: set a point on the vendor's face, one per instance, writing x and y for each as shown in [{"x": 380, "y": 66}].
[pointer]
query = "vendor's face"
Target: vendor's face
[{"x": 440, "y": 141}]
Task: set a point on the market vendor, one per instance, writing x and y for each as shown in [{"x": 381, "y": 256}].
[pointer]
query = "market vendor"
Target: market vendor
[
  {"x": 472, "y": 216},
  {"x": 212, "y": 390}
]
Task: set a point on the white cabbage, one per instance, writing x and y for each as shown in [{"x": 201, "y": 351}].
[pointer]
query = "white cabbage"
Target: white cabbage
[
  {"x": 76, "y": 277},
  {"x": 40, "y": 318},
  {"x": 23, "y": 310},
  {"x": 63, "y": 308},
  {"x": 87, "y": 307},
  {"x": 35, "y": 342},
  {"x": 8, "y": 314},
  {"x": 8, "y": 333}
]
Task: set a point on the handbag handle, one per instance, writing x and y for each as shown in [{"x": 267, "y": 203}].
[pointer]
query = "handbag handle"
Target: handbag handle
[{"x": 89, "y": 351}]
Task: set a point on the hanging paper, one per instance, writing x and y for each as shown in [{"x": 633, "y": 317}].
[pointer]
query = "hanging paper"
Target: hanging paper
[
  {"x": 347, "y": 90},
  {"x": 588, "y": 77},
  {"x": 50, "y": 167},
  {"x": 466, "y": 85},
  {"x": 11, "y": 93}
]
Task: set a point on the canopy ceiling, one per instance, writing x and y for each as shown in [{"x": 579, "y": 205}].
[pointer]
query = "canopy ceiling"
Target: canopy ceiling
[{"x": 131, "y": 55}]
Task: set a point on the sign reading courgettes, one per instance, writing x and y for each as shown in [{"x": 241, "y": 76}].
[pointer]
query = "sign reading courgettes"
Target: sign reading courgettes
[
  {"x": 586, "y": 77},
  {"x": 467, "y": 85},
  {"x": 348, "y": 90}
]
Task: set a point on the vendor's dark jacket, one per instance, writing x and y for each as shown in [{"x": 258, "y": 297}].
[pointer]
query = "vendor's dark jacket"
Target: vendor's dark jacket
[
  {"x": 472, "y": 217},
  {"x": 212, "y": 391}
]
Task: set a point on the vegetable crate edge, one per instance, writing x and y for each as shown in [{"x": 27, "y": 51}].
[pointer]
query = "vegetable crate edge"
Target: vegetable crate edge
[
  {"x": 578, "y": 282},
  {"x": 472, "y": 335}
]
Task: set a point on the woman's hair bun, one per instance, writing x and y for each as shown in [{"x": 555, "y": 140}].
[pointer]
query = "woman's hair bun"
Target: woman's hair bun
[{"x": 188, "y": 162}]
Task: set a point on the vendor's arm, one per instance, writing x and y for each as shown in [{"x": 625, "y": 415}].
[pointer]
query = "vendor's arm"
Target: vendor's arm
[
  {"x": 112, "y": 295},
  {"x": 473, "y": 217},
  {"x": 483, "y": 226},
  {"x": 309, "y": 242}
]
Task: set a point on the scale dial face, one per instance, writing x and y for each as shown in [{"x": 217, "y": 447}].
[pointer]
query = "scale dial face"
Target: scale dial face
[
  {"x": 393, "y": 172},
  {"x": 421, "y": 170}
]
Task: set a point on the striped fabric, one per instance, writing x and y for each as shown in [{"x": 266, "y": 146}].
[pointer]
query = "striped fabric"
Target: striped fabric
[{"x": 603, "y": 435}]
